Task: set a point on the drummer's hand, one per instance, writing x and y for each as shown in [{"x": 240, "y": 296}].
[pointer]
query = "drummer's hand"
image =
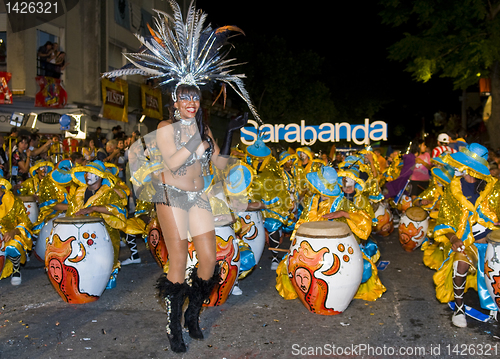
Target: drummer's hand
[
  {"x": 496, "y": 224},
  {"x": 456, "y": 244},
  {"x": 10, "y": 235},
  {"x": 337, "y": 214},
  {"x": 425, "y": 202},
  {"x": 84, "y": 211}
]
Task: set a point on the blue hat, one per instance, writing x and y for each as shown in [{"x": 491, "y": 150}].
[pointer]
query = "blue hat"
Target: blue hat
[
  {"x": 62, "y": 173},
  {"x": 96, "y": 167},
  {"x": 444, "y": 174},
  {"x": 325, "y": 181},
  {"x": 258, "y": 149},
  {"x": 239, "y": 178},
  {"x": 40, "y": 164},
  {"x": 473, "y": 158},
  {"x": 352, "y": 161},
  {"x": 111, "y": 168},
  {"x": 286, "y": 156},
  {"x": 352, "y": 173}
]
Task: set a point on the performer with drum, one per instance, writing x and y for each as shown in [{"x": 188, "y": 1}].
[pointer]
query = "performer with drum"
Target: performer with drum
[
  {"x": 15, "y": 234},
  {"x": 38, "y": 171},
  {"x": 186, "y": 60},
  {"x": 96, "y": 197},
  {"x": 469, "y": 211}
]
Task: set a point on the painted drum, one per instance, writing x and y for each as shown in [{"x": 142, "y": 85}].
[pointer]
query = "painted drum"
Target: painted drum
[
  {"x": 31, "y": 207},
  {"x": 404, "y": 203},
  {"x": 492, "y": 266},
  {"x": 79, "y": 258},
  {"x": 156, "y": 243},
  {"x": 43, "y": 237},
  {"x": 253, "y": 232},
  {"x": 413, "y": 228},
  {"x": 385, "y": 220},
  {"x": 228, "y": 258},
  {"x": 325, "y": 266}
]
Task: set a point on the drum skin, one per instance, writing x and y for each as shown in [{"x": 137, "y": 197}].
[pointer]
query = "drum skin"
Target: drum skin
[
  {"x": 325, "y": 266},
  {"x": 79, "y": 258},
  {"x": 228, "y": 258},
  {"x": 413, "y": 228},
  {"x": 385, "y": 224},
  {"x": 253, "y": 232},
  {"x": 492, "y": 266},
  {"x": 31, "y": 207}
]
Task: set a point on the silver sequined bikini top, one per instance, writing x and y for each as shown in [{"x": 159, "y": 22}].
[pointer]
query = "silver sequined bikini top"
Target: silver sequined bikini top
[{"x": 204, "y": 159}]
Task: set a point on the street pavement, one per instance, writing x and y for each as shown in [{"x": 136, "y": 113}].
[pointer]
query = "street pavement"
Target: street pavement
[{"x": 128, "y": 321}]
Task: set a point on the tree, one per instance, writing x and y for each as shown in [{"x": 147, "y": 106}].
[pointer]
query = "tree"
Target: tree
[
  {"x": 457, "y": 39},
  {"x": 286, "y": 86}
]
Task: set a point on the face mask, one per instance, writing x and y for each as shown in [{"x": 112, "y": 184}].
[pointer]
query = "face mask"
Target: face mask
[
  {"x": 91, "y": 179},
  {"x": 349, "y": 182}
]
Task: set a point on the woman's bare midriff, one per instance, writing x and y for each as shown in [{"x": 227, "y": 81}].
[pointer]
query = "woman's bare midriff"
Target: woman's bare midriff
[{"x": 190, "y": 181}]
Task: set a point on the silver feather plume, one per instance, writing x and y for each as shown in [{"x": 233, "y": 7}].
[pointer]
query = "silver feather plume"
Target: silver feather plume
[{"x": 185, "y": 52}]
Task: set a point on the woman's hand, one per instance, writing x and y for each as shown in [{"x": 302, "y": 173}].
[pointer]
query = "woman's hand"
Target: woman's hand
[{"x": 237, "y": 123}]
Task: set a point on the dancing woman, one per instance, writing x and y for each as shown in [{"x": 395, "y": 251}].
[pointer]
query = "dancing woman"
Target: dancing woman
[
  {"x": 187, "y": 147},
  {"x": 186, "y": 55}
]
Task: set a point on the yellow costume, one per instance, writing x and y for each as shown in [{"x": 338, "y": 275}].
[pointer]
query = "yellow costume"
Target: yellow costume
[
  {"x": 31, "y": 186},
  {"x": 13, "y": 216},
  {"x": 457, "y": 215}
]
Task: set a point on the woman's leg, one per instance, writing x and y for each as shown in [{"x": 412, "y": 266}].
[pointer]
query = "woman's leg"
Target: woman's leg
[
  {"x": 206, "y": 276},
  {"x": 173, "y": 222},
  {"x": 172, "y": 287},
  {"x": 460, "y": 269}
]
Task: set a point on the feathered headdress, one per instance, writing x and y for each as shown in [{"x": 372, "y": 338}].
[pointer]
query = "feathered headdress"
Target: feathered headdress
[{"x": 185, "y": 52}]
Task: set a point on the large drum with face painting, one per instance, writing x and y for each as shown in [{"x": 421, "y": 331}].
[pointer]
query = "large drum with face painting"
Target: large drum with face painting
[
  {"x": 253, "y": 232},
  {"x": 384, "y": 224},
  {"x": 79, "y": 258},
  {"x": 492, "y": 266},
  {"x": 325, "y": 266},
  {"x": 31, "y": 207},
  {"x": 413, "y": 228},
  {"x": 228, "y": 258}
]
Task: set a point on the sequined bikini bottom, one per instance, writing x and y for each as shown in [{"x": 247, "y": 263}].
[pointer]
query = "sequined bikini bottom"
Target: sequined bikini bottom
[{"x": 176, "y": 197}]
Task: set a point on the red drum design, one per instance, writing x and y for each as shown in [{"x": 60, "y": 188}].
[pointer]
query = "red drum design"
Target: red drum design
[
  {"x": 385, "y": 224},
  {"x": 492, "y": 266},
  {"x": 79, "y": 258},
  {"x": 253, "y": 232},
  {"x": 156, "y": 243},
  {"x": 228, "y": 257},
  {"x": 413, "y": 228},
  {"x": 31, "y": 207},
  {"x": 325, "y": 266}
]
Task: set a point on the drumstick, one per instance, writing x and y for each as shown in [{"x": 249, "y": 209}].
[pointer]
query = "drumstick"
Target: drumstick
[{"x": 279, "y": 250}]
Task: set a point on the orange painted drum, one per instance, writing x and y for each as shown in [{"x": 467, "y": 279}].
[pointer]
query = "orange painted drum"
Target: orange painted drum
[
  {"x": 228, "y": 258},
  {"x": 413, "y": 228},
  {"x": 325, "y": 266},
  {"x": 492, "y": 266},
  {"x": 79, "y": 258}
]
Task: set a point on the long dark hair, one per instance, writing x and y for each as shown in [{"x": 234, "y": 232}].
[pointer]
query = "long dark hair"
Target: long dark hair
[{"x": 191, "y": 90}]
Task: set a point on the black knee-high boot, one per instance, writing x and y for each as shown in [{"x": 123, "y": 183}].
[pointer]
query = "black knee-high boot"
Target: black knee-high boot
[
  {"x": 199, "y": 291},
  {"x": 173, "y": 295}
]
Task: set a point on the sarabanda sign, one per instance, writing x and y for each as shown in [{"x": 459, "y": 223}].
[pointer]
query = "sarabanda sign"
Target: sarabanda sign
[{"x": 308, "y": 135}]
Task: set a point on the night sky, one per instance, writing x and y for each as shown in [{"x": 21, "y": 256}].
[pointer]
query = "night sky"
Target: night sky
[{"x": 354, "y": 43}]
